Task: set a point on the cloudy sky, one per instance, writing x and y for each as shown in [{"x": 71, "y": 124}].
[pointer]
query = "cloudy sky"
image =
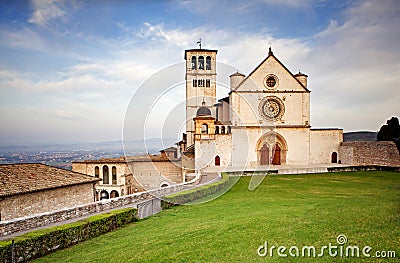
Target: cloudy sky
[{"x": 68, "y": 69}]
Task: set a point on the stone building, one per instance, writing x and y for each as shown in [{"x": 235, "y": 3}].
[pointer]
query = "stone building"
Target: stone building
[
  {"x": 128, "y": 175},
  {"x": 28, "y": 189},
  {"x": 264, "y": 120}
]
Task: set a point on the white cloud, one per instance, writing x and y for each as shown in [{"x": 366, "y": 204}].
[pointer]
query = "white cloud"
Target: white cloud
[
  {"x": 46, "y": 11},
  {"x": 289, "y": 3},
  {"x": 354, "y": 68},
  {"x": 352, "y": 65}
]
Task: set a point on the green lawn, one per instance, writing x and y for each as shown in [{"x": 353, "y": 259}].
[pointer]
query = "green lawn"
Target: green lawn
[{"x": 285, "y": 210}]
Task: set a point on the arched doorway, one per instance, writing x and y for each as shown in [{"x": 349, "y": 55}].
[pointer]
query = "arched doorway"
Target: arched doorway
[
  {"x": 271, "y": 149},
  {"x": 276, "y": 160},
  {"x": 264, "y": 155},
  {"x": 334, "y": 157},
  {"x": 104, "y": 195},
  {"x": 114, "y": 194},
  {"x": 217, "y": 161}
]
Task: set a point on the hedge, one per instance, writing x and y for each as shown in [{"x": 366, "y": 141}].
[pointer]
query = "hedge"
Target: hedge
[
  {"x": 364, "y": 168},
  {"x": 191, "y": 195},
  {"x": 42, "y": 242}
]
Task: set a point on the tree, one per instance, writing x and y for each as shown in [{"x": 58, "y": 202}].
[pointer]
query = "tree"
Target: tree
[{"x": 390, "y": 132}]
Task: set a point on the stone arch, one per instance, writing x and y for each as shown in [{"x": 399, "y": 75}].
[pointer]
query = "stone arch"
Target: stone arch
[
  {"x": 222, "y": 129},
  {"x": 114, "y": 194},
  {"x": 164, "y": 184},
  {"x": 194, "y": 63},
  {"x": 276, "y": 145},
  {"x": 201, "y": 63},
  {"x": 104, "y": 195},
  {"x": 204, "y": 128},
  {"x": 208, "y": 63}
]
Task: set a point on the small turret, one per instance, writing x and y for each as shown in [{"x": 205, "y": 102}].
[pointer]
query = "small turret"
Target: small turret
[
  {"x": 236, "y": 79},
  {"x": 302, "y": 78}
]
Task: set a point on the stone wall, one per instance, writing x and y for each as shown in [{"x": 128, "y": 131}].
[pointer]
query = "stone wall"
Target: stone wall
[
  {"x": 43, "y": 219},
  {"x": 47, "y": 200},
  {"x": 323, "y": 143},
  {"x": 153, "y": 174},
  {"x": 382, "y": 153}
]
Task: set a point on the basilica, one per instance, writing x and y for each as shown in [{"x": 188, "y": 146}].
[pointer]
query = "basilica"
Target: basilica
[{"x": 264, "y": 121}]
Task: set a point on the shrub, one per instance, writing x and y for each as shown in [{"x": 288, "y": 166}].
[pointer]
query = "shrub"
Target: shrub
[
  {"x": 42, "y": 242},
  {"x": 191, "y": 195}
]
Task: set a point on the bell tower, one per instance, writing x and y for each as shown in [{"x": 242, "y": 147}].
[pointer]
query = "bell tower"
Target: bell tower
[{"x": 200, "y": 76}]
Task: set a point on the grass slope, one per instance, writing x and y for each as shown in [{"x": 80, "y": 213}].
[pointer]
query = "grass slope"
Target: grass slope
[{"x": 284, "y": 210}]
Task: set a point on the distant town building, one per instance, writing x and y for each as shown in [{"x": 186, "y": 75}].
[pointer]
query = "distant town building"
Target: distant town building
[
  {"x": 116, "y": 174},
  {"x": 28, "y": 189}
]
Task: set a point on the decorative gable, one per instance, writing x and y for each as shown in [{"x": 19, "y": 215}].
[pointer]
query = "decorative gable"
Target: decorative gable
[{"x": 272, "y": 76}]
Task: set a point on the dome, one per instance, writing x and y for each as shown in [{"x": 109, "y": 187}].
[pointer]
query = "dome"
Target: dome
[
  {"x": 203, "y": 111},
  {"x": 237, "y": 74}
]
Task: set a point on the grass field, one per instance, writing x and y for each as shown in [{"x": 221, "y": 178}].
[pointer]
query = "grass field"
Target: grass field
[{"x": 285, "y": 210}]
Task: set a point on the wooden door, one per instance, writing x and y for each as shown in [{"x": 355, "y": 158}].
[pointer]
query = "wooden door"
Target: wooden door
[
  {"x": 277, "y": 155},
  {"x": 217, "y": 161},
  {"x": 334, "y": 157},
  {"x": 264, "y": 155}
]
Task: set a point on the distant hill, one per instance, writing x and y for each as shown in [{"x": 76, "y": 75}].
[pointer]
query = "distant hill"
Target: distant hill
[
  {"x": 152, "y": 145},
  {"x": 359, "y": 136}
]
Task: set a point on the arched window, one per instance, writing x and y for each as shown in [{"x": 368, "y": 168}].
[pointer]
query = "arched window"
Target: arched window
[
  {"x": 194, "y": 63},
  {"x": 208, "y": 63},
  {"x": 334, "y": 157},
  {"x": 201, "y": 62},
  {"x": 217, "y": 161},
  {"x": 97, "y": 172},
  {"x": 222, "y": 129},
  {"x": 216, "y": 129},
  {"x": 114, "y": 175},
  {"x": 106, "y": 179},
  {"x": 204, "y": 129},
  {"x": 200, "y": 82}
]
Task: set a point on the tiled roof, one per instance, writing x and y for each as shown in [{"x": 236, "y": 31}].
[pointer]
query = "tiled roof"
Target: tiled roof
[
  {"x": 31, "y": 177},
  {"x": 104, "y": 160},
  {"x": 169, "y": 149},
  {"x": 137, "y": 158}
]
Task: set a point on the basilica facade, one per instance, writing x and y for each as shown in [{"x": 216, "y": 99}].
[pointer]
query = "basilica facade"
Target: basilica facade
[{"x": 264, "y": 121}]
